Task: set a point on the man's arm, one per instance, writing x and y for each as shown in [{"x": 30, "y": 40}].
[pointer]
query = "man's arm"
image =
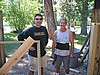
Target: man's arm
[
  {"x": 54, "y": 43},
  {"x": 47, "y": 37},
  {"x": 21, "y": 36},
  {"x": 71, "y": 38}
]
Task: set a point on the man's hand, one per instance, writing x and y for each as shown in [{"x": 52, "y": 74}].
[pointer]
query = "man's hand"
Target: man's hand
[
  {"x": 52, "y": 55},
  {"x": 72, "y": 56},
  {"x": 32, "y": 48}
]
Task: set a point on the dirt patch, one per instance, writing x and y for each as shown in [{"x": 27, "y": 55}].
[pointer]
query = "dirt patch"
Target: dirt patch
[{"x": 21, "y": 68}]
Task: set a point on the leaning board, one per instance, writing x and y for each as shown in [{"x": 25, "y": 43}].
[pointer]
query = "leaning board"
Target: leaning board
[{"x": 16, "y": 56}]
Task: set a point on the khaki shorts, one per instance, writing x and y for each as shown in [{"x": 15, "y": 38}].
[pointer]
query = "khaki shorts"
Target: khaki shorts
[{"x": 33, "y": 63}]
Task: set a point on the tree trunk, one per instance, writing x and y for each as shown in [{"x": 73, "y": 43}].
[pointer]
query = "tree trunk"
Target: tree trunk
[
  {"x": 84, "y": 18},
  {"x": 49, "y": 15}
]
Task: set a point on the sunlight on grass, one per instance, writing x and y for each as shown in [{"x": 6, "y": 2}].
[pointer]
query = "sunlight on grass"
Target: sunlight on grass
[
  {"x": 79, "y": 41},
  {"x": 10, "y": 36}
]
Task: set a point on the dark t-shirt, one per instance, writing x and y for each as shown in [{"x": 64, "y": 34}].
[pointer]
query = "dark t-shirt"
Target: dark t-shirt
[{"x": 37, "y": 34}]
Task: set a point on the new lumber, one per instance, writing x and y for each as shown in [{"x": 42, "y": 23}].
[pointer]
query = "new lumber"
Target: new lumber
[
  {"x": 16, "y": 56},
  {"x": 94, "y": 52}
]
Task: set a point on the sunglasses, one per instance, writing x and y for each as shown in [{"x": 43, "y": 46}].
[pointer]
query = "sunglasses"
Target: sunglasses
[{"x": 38, "y": 18}]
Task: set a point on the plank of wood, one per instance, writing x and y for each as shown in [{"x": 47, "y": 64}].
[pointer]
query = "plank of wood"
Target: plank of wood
[
  {"x": 39, "y": 58},
  {"x": 2, "y": 57},
  {"x": 2, "y": 53},
  {"x": 10, "y": 42},
  {"x": 93, "y": 50},
  {"x": 74, "y": 70},
  {"x": 96, "y": 15},
  {"x": 16, "y": 56},
  {"x": 13, "y": 42}
]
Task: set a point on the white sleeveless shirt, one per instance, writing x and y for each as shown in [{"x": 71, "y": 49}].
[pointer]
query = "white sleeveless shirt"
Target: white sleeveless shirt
[{"x": 62, "y": 37}]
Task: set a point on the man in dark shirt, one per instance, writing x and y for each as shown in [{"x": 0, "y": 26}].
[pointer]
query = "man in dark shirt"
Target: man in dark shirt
[{"x": 37, "y": 32}]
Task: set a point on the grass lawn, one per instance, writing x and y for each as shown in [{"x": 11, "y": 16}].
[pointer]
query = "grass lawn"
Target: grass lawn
[
  {"x": 79, "y": 41},
  {"x": 10, "y": 48}
]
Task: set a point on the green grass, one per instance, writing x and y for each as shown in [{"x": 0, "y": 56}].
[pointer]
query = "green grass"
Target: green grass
[
  {"x": 79, "y": 40},
  {"x": 10, "y": 48},
  {"x": 10, "y": 36}
]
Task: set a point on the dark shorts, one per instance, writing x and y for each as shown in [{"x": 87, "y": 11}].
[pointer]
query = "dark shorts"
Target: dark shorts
[{"x": 65, "y": 60}]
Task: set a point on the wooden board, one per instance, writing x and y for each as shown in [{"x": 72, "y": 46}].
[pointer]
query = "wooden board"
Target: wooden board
[
  {"x": 16, "y": 56},
  {"x": 94, "y": 55},
  {"x": 39, "y": 58},
  {"x": 10, "y": 42},
  {"x": 2, "y": 54}
]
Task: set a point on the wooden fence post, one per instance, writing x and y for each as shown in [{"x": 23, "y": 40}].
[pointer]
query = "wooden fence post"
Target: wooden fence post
[
  {"x": 2, "y": 54},
  {"x": 39, "y": 57},
  {"x": 94, "y": 52}
]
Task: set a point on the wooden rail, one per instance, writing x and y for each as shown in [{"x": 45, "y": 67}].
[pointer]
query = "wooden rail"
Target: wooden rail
[
  {"x": 19, "y": 53},
  {"x": 10, "y": 42}
]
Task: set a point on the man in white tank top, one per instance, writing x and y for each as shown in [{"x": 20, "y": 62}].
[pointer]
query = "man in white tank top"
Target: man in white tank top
[{"x": 60, "y": 46}]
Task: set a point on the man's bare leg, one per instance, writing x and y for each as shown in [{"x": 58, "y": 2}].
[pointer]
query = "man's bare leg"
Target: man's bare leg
[
  {"x": 42, "y": 71},
  {"x": 57, "y": 70},
  {"x": 31, "y": 72},
  {"x": 67, "y": 70}
]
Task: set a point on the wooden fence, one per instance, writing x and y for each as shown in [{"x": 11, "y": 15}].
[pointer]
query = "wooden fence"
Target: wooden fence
[{"x": 19, "y": 53}]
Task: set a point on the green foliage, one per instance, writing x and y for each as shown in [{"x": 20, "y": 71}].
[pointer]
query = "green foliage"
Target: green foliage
[
  {"x": 74, "y": 8},
  {"x": 20, "y": 13},
  {"x": 68, "y": 8},
  {"x": 78, "y": 10},
  {"x": 1, "y": 5},
  {"x": 10, "y": 36},
  {"x": 90, "y": 7}
]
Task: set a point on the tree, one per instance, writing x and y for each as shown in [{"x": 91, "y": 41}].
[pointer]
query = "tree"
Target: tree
[
  {"x": 84, "y": 15},
  {"x": 86, "y": 10},
  {"x": 68, "y": 9},
  {"x": 19, "y": 13},
  {"x": 49, "y": 15},
  {"x": 78, "y": 10}
]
